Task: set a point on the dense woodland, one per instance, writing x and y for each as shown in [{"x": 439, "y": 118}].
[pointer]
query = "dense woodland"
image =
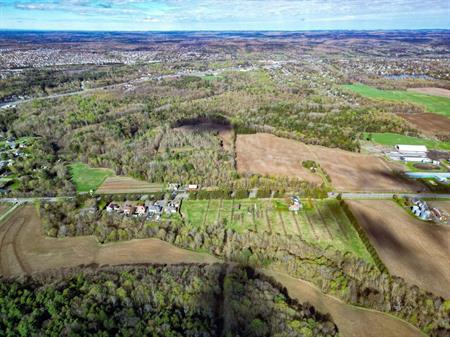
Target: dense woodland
[{"x": 176, "y": 300}]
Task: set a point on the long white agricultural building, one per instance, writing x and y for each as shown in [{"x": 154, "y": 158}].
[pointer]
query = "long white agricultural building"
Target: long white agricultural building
[{"x": 411, "y": 148}]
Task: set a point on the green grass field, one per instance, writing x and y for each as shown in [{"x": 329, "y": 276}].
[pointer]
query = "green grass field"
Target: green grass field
[
  {"x": 392, "y": 139},
  {"x": 435, "y": 104},
  {"x": 322, "y": 222},
  {"x": 86, "y": 178}
]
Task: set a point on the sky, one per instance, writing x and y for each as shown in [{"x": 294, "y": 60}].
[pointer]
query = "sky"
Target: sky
[{"x": 166, "y": 15}]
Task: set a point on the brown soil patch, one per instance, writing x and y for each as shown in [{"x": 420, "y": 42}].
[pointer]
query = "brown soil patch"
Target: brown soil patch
[
  {"x": 30, "y": 251},
  {"x": 431, "y": 91},
  {"x": 271, "y": 155},
  {"x": 119, "y": 184},
  {"x": 352, "y": 321},
  {"x": 412, "y": 249},
  {"x": 24, "y": 249},
  {"x": 428, "y": 123}
]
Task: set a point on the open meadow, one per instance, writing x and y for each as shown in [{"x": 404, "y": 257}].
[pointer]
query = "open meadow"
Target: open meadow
[
  {"x": 392, "y": 139},
  {"x": 435, "y": 104},
  {"x": 321, "y": 222},
  {"x": 25, "y": 250},
  {"x": 267, "y": 154},
  {"x": 119, "y": 185},
  {"x": 86, "y": 178},
  {"x": 415, "y": 250}
]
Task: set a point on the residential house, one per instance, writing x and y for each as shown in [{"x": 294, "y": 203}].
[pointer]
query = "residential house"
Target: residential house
[
  {"x": 420, "y": 209},
  {"x": 112, "y": 207},
  {"x": 128, "y": 209},
  {"x": 154, "y": 210},
  {"x": 192, "y": 187},
  {"x": 11, "y": 142},
  {"x": 141, "y": 210},
  {"x": 296, "y": 204}
]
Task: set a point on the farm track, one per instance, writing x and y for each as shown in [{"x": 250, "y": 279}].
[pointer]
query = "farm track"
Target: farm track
[
  {"x": 312, "y": 226},
  {"x": 219, "y": 210},
  {"x": 268, "y": 221},
  {"x": 10, "y": 261},
  {"x": 254, "y": 219},
  {"x": 323, "y": 221},
  {"x": 341, "y": 226},
  {"x": 296, "y": 225},
  {"x": 232, "y": 211},
  {"x": 206, "y": 213},
  {"x": 282, "y": 223}
]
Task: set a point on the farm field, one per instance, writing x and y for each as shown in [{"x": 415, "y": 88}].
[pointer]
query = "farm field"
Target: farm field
[
  {"x": 86, "y": 178},
  {"x": 24, "y": 250},
  {"x": 428, "y": 123},
  {"x": 393, "y": 139},
  {"x": 436, "y": 104},
  {"x": 119, "y": 184},
  {"x": 431, "y": 91},
  {"x": 352, "y": 321},
  {"x": 416, "y": 250},
  {"x": 267, "y": 154},
  {"x": 322, "y": 222}
]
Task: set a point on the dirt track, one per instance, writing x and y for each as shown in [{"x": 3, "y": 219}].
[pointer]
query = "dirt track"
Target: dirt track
[
  {"x": 432, "y": 91},
  {"x": 350, "y": 172},
  {"x": 415, "y": 250},
  {"x": 26, "y": 250}
]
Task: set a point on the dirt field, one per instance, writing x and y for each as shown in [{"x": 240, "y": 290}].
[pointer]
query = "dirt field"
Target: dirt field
[
  {"x": 119, "y": 184},
  {"x": 270, "y": 155},
  {"x": 415, "y": 250},
  {"x": 428, "y": 123},
  {"x": 23, "y": 249},
  {"x": 351, "y": 321},
  {"x": 432, "y": 91}
]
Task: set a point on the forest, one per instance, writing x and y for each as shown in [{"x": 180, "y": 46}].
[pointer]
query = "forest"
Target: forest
[{"x": 156, "y": 300}]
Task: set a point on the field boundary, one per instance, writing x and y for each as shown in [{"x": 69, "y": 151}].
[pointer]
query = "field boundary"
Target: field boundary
[{"x": 364, "y": 238}]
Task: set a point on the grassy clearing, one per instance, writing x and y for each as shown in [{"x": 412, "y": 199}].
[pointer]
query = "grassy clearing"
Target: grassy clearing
[
  {"x": 322, "y": 222},
  {"x": 392, "y": 139},
  {"x": 435, "y": 104},
  {"x": 86, "y": 178}
]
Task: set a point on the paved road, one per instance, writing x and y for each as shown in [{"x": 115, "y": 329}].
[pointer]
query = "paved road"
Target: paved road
[
  {"x": 362, "y": 196},
  {"x": 134, "y": 81},
  {"x": 27, "y": 200},
  {"x": 355, "y": 195}
]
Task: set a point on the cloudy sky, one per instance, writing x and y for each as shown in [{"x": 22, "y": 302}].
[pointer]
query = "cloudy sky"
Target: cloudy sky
[{"x": 223, "y": 14}]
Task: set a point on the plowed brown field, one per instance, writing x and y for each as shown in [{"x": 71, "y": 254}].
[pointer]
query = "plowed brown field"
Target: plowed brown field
[
  {"x": 119, "y": 184},
  {"x": 267, "y": 154},
  {"x": 429, "y": 123},
  {"x": 26, "y": 250},
  {"x": 431, "y": 91},
  {"x": 415, "y": 250}
]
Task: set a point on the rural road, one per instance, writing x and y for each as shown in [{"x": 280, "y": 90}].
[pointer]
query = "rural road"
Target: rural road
[
  {"x": 355, "y": 195},
  {"x": 134, "y": 81},
  {"x": 347, "y": 196}
]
